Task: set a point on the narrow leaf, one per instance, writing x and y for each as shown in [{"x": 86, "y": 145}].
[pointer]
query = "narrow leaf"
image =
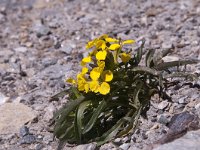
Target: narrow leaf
[{"x": 95, "y": 116}]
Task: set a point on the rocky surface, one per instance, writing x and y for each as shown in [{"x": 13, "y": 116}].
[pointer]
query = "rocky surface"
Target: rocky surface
[{"x": 42, "y": 42}]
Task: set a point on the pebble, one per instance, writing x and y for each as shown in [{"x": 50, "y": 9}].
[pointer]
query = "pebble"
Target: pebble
[
  {"x": 91, "y": 146},
  {"x": 183, "y": 100},
  {"x": 21, "y": 49},
  {"x": 27, "y": 139},
  {"x": 3, "y": 98},
  {"x": 125, "y": 146},
  {"x": 163, "y": 119},
  {"x": 41, "y": 30},
  {"x": 163, "y": 105},
  {"x": 39, "y": 146},
  {"x": 23, "y": 131}
]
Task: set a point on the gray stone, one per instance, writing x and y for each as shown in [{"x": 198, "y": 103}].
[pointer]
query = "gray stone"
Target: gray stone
[
  {"x": 91, "y": 146},
  {"x": 13, "y": 116},
  {"x": 163, "y": 105},
  {"x": 27, "y": 139},
  {"x": 190, "y": 141},
  {"x": 125, "y": 146},
  {"x": 163, "y": 119},
  {"x": 183, "y": 100},
  {"x": 21, "y": 49},
  {"x": 39, "y": 147},
  {"x": 3, "y": 98},
  {"x": 41, "y": 30},
  {"x": 23, "y": 131}
]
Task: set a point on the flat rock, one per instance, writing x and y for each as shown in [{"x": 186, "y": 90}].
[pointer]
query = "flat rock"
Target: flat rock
[
  {"x": 188, "y": 141},
  {"x": 13, "y": 116}
]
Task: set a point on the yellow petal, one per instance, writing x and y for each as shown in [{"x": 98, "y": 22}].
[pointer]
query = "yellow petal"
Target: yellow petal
[
  {"x": 125, "y": 57},
  {"x": 84, "y": 70},
  {"x": 111, "y": 40},
  {"x": 70, "y": 80},
  {"x": 90, "y": 44},
  {"x": 86, "y": 60},
  {"x": 100, "y": 44},
  {"x": 104, "y": 88},
  {"x": 128, "y": 42},
  {"x": 101, "y": 55},
  {"x": 107, "y": 75},
  {"x": 86, "y": 87},
  {"x": 95, "y": 73},
  {"x": 114, "y": 46},
  {"x": 94, "y": 85},
  {"x": 101, "y": 65}
]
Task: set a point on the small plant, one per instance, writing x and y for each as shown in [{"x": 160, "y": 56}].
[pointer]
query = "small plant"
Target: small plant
[{"x": 112, "y": 91}]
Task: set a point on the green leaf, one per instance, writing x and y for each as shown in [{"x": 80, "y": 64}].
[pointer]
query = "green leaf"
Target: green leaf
[
  {"x": 166, "y": 65},
  {"x": 107, "y": 136},
  {"x": 60, "y": 94},
  {"x": 133, "y": 120},
  {"x": 191, "y": 76},
  {"x": 79, "y": 116},
  {"x": 149, "y": 58},
  {"x": 61, "y": 116},
  {"x": 95, "y": 116},
  {"x": 146, "y": 70},
  {"x": 140, "y": 52}
]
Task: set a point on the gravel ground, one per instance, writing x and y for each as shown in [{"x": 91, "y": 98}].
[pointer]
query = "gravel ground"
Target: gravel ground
[{"x": 42, "y": 42}]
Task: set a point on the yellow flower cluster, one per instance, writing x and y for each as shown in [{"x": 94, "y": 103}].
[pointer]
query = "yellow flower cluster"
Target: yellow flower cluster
[{"x": 96, "y": 79}]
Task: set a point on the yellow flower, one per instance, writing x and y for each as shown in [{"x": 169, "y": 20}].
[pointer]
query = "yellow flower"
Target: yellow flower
[
  {"x": 86, "y": 60},
  {"x": 91, "y": 44},
  {"x": 95, "y": 73},
  {"x": 101, "y": 44},
  {"x": 125, "y": 57},
  {"x": 104, "y": 88},
  {"x": 128, "y": 42},
  {"x": 114, "y": 47},
  {"x": 86, "y": 87},
  {"x": 107, "y": 75},
  {"x": 101, "y": 55},
  {"x": 101, "y": 65},
  {"x": 81, "y": 82},
  {"x": 84, "y": 70},
  {"x": 94, "y": 85},
  {"x": 111, "y": 40},
  {"x": 70, "y": 80}
]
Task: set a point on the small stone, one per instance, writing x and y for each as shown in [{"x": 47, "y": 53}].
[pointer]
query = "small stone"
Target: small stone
[
  {"x": 27, "y": 139},
  {"x": 197, "y": 106},
  {"x": 163, "y": 119},
  {"x": 163, "y": 105},
  {"x": 3, "y": 98},
  {"x": 23, "y": 131},
  {"x": 125, "y": 139},
  {"x": 39, "y": 147},
  {"x": 41, "y": 30},
  {"x": 21, "y": 49},
  {"x": 182, "y": 100},
  {"x": 117, "y": 140},
  {"x": 91, "y": 146},
  {"x": 170, "y": 58},
  {"x": 125, "y": 146}
]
